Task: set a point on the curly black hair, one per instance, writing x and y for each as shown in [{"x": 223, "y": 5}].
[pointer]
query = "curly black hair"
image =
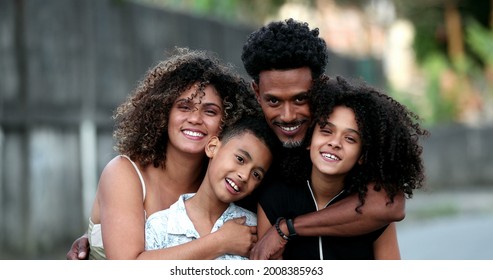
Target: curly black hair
[
  {"x": 390, "y": 136},
  {"x": 257, "y": 126},
  {"x": 284, "y": 45},
  {"x": 142, "y": 120}
]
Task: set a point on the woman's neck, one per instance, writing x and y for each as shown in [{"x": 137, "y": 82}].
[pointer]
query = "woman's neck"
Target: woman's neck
[{"x": 184, "y": 171}]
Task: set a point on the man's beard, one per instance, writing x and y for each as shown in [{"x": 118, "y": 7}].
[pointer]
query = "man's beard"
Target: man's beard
[{"x": 292, "y": 144}]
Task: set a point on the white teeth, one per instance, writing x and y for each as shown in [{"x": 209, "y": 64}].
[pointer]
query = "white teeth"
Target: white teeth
[
  {"x": 289, "y": 128},
  {"x": 193, "y": 133},
  {"x": 330, "y": 156},
  {"x": 233, "y": 185}
]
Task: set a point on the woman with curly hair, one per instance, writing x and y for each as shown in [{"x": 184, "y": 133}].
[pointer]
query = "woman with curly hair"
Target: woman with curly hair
[
  {"x": 359, "y": 138},
  {"x": 161, "y": 132}
]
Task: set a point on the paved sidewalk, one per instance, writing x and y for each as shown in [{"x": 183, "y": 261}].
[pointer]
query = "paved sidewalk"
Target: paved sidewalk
[{"x": 456, "y": 225}]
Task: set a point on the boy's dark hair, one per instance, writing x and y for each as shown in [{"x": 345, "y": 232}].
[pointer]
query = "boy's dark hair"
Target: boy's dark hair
[
  {"x": 284, "y": 45},
  {"x": 390, "y": 136},
  {"x": 255, "y": 125}
]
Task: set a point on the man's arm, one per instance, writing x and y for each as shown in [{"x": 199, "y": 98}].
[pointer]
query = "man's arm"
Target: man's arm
[
  {"x": 338, "y": 219},
  {"x": 341, "y": 218},
  {"x": 79, "y": 249}
]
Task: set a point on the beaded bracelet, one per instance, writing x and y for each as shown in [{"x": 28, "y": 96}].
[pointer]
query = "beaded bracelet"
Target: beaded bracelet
[{"x": 284, "y": 236}]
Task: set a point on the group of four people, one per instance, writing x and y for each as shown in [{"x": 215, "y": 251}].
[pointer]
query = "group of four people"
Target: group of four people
[{"x": 325, "y": 165}]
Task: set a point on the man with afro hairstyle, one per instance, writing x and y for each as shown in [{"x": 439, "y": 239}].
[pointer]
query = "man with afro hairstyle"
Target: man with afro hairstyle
[{"x": 283, "y": 58}]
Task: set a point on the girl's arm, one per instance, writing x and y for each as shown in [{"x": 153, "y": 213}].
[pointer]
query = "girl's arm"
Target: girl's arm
[{"x": 386, "y": 247}]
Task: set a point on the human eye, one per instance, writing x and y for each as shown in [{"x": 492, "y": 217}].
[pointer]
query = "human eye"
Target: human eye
[
  {"x": 240, "y": 159},
  {"x": 301, "y": 99},
  {"x": 184, "y": 106},
  {"x": 272, "y": 101},
  {"x": 352, "y": 139},
  {"x": 326, "y": 131},
  {"x": 257, "y": 175},
  {"x": 211, "y": 112}
]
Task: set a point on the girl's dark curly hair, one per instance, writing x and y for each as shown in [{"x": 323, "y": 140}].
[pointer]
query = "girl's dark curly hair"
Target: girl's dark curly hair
[
  {"x": 390, "y": 136},
  {"x": 141, "y": 128},
  {"x": 281, "y": 45}
]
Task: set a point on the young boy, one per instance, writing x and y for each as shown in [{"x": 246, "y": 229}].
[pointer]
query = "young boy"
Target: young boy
[{"x": 238, "y": 161}]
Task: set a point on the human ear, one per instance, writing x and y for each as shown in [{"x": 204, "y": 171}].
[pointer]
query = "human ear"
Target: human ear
[
  {"x": 361, "y": 160},
  {"x": 255, "y": 89},
  {"x": 212, "y": 146}
]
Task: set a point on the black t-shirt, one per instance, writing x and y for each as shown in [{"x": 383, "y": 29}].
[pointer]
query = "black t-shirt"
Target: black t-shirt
[
  {"x": 291, "y": 200},
  {"x": 285, "y": 167}
]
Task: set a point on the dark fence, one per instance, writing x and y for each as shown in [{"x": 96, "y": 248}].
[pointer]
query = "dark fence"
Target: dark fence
[{"x": 64, "y": 67}]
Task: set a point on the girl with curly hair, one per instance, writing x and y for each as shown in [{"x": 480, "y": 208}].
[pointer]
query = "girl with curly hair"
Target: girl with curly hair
[
  {"x": 161, "y": 132},
  {"x": 359, "y": 138}
]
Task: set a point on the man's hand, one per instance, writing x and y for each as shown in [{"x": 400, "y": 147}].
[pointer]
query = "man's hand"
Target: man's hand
[
  {"x": 79, "y": 249},
  {"x": 270, "y": 246}
]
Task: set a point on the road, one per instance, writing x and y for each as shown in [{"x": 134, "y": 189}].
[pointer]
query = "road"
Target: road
[
  {"x": 466, "y": 237},
  {"x": 448, "y": 226}
]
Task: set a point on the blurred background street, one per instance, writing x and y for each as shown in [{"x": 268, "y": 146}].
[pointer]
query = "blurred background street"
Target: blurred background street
[{"x": 448, "y": 226}]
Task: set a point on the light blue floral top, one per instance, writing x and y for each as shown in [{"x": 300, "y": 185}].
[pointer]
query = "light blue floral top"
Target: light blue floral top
[{"x": 171, "y": 227}]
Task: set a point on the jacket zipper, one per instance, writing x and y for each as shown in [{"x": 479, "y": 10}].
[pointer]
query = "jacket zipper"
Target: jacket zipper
[{"x": 320, "y": 247}]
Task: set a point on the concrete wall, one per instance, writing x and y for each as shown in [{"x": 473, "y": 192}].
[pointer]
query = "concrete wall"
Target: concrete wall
[
  {"x": 458, "y": 156},
  {"x": 64, "y": 67}
]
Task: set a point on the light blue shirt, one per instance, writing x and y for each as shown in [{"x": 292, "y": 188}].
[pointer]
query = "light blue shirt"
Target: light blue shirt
[{"x": 171, "y": 227}]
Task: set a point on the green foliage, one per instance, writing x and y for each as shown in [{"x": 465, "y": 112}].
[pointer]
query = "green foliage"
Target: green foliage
[
  {"x": 431, "y": 106},
  {"x": 442, "y": 109},
  {"x": 480, "y": 40},
  {"x": 426, "y": 42},
  {"x": 252, "y": 12}
]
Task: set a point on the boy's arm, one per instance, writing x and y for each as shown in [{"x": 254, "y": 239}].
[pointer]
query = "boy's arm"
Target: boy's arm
[{"x": 339, "y": 219}]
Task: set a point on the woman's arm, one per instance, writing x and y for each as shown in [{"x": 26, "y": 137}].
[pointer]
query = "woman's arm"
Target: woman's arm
[
  {"x": 123, "y": 223},
  {"x": 121, "y": 210},
  {"x": 386, "y": 247}
]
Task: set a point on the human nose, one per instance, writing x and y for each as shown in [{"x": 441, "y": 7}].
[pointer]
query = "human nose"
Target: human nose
[
  {"x": 195, "y": 116},
  {"x": 334, "y": 142},
  {"x": 243, "y": 174},
  {"x": 288, "y": 113}
]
